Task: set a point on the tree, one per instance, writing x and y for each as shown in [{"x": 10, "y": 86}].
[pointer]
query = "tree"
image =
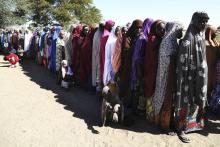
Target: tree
[
  {"x": 62, "y": 13},
  {"x": 90, "y": 16},
  {"x": 41, "y": 12},
  {"x": 47, "y": 12},
  {"x": 21, "y": 11},
  {"x": 85, "y": 12},
  {"x": 13, "y": 12},
  {"x": 65, "y": 12},
  {"x": 5, "y": 13}
]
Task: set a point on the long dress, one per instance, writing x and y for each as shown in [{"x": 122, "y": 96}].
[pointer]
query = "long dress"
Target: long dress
[
  {"x": 96, "y": 58},
  {"x": 14, "y": 41},
  {"x": 68, "y": 47},
  {"x": 60, "y": 53},
  {"x": 122, "y": 62},
  {"x": 215, "y": 97},
  {"x": 211, "y": 55},
  {"x": 53, "y": 49},
  {"x": 27, "y": 39},
  {"x": 150, "y": 71},
  {"x": 86, "y": 59},
  {"x": 191, "y": 94},
  {"x": 76, "y": 45},
  {"x": 110, "y": 47},
  {"x": 137, "y": 73},
  {"x": 103, "y": 41},
  {"x": 212, "y": 51},
  {"x": 162, "y": 99}
]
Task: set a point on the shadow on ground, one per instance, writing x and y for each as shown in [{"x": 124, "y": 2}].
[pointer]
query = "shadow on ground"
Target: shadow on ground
[
  {"x": 85, "y": 104},
  {"x": 5, "y": 66}
]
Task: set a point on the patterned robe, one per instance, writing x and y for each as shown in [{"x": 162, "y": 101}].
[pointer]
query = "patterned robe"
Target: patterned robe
[
  {"x": 162, "y": 99},
  {"x": 191, "y": 94}
]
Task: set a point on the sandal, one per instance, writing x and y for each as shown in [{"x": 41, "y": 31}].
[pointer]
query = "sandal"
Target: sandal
[
  {"x": 171, "y": 133},
  {"x": 183, "y": 138}
]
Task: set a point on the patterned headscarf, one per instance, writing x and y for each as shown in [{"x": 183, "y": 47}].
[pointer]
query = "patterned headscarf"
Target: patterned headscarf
[
  {"x": 192, "y": 65},
  {"x": 197, "y": 16}
]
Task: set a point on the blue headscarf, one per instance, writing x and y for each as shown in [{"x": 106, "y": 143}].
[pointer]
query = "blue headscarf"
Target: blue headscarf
[{"x": 55, "y": 35}]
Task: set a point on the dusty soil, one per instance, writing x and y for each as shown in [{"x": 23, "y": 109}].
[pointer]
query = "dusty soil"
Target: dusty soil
[{"x": 36, "y": 112}]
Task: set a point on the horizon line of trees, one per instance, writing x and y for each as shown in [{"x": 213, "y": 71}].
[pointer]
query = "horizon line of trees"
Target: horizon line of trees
[{"x": 48, "y": 12}]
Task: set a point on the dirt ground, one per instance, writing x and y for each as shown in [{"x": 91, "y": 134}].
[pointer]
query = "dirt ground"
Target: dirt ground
[{"x": 36, "y": 112}]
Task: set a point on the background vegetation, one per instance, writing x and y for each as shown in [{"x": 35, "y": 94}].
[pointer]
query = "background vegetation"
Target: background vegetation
[{"x": 48, "y": 12}]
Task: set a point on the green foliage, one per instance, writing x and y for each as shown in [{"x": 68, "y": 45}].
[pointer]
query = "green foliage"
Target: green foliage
[
  {"x": 5, "y": 13},
  {"x": 40, "y": 11},
  {"x": 65, "y": 11},
  {"x": 13, "y": 12},
  {"x": 21, "y": 11},
  {"x": 47, "y": 12},
  {"x": 62, "y": 15},
  {"x": 90, "y": 16}
]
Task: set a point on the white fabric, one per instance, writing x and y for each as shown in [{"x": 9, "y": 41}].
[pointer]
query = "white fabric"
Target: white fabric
[
  {"x": 66, "y": 72},
  {"x": 64, "y": 84},
  {"x": 96, "y": 58},
  {"x": 68, "y": 47},
  {"x": 105, "y": 89},
  {"x": 109, "y": 50},
  {"x": 27, "y": 39},
  {"x": 64, "y": 63},
  {"x": 69, "y": 71}
]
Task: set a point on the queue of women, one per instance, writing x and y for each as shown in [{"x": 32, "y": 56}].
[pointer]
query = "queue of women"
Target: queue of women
[{"x": 169, "y": 78}]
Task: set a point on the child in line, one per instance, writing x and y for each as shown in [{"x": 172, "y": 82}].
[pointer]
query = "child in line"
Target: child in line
[
  {"x": 12, "y": 58},
  {"x": 67, "y": 75}
]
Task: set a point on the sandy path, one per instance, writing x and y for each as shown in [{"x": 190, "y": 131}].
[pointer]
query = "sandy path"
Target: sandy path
[{"x": 35, "y": 112}]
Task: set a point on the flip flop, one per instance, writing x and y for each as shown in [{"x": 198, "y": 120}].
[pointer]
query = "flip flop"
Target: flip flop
[{"x": 183, "y": 138}]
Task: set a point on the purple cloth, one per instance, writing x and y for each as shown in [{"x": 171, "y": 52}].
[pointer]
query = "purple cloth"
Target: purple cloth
[
  {"x": 146, "y": 26},
  {"x": 138, "y": 53},
  {"x": 215, "y": 100}
]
